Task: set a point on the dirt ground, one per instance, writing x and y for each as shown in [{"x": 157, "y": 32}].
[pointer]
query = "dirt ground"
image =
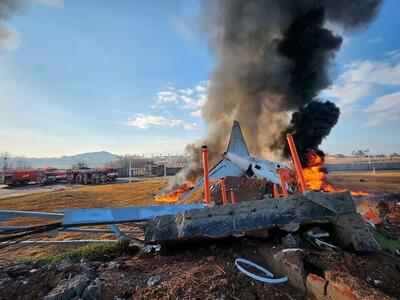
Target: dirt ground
[
  {"x": 355, "y": 160},
  {"x": 380, "y": 181}
]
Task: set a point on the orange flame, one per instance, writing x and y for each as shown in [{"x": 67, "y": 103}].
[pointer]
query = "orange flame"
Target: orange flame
[
  {"x": 314, "y": 176},
  {"x": 174, "y": 196}
]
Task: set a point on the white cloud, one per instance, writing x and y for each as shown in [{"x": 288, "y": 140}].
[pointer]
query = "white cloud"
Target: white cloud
[
  {"x": 188, "y": 98},
  {"x": 394, "y": 54},
  {"x": 374, "y": 40},
  {"x": 384, "y": 109},
  {"x": 167, "y": 96},
  {"x": 362, "y": 79},
  {"x": 142, "y": 121},
  {"x": 196, "y": 113},
  {"x": 349, "y": 93},
  {"x": 55, "y": 3},
  {"x": 377, "y": 72}
]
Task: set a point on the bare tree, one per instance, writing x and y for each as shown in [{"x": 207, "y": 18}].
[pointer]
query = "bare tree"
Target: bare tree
[
  {"x": 22, "y": 164},
  {"x": 5, "y": 160}
]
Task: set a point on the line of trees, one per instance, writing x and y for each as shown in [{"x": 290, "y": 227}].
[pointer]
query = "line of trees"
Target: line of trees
[{"x": 6, "y": 163}]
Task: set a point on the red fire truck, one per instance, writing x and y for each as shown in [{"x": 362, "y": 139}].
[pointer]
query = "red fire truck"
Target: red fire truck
[
  {"x": 19, "y": 177},
  {"x": 13, "y": 177}
]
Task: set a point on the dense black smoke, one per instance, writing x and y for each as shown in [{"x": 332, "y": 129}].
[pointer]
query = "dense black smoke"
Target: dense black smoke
[
  {"x": 309, "y": 47},
  {"x": 273, "y": 58},
  {"x": 7, "y": 9},
  {"x": 310, "y": 125}
]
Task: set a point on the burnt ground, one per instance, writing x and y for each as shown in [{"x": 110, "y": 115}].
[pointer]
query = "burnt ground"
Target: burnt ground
[{"x": 204, "y": 271}]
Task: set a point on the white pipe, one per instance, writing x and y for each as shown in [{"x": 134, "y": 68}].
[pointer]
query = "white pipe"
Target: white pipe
[{"x": 256, "y": 277}]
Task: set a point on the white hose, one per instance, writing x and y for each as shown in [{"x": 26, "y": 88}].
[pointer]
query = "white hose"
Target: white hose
[
  {"x": 259, "y": 278},
  {"x": 291, "y": 250}
]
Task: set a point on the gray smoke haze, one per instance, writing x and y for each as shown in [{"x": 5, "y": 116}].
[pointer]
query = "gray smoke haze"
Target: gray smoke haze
[
  {"x": 272, "y": 57},
  {"x": 7, "y": 9}
]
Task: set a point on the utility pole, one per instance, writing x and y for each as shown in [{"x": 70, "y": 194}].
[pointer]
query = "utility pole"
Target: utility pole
[
  {"x": 130, "y": 170},
  {"x": 4, "y": 169},
  {"x": 165, "y": 170}
]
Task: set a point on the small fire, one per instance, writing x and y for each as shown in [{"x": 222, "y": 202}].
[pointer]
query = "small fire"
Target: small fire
[
  {"x": 174, "y": 196},
  {"x": 314, "y": 176}
]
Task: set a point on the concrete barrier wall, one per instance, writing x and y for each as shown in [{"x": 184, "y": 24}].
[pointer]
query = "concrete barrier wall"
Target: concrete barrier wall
[{"x": 363, "y": 166}]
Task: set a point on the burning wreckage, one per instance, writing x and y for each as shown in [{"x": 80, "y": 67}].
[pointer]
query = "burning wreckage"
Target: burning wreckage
[
  {"x": 266, "y": 198},
  {"x": 251, "y": 213}
]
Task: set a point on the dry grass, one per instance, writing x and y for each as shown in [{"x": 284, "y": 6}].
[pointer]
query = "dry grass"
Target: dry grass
[
  {"x": 112, "y": 195},
  {"x": 354, "y": 160},
  {"x": 388, "y": 181}
]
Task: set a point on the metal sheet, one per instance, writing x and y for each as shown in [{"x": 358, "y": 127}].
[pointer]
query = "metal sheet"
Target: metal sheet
[
  {"x": 7, "y": 214},
  {"x": 121, "y": 214},
  {"x": 52, "y": 243}
]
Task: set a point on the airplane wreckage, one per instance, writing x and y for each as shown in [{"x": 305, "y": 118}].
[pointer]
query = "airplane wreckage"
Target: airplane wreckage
[{"x": 171, "y": 224}]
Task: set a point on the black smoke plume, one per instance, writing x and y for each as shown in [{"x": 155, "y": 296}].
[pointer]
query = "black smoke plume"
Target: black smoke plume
[
  {"x": 309, "y": 126},
  {"x": 272, "y": 57}
]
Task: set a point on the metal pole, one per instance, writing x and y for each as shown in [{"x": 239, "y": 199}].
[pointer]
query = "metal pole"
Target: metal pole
[
  {"x": 165, "y": 169},
  {"x": 233, "y": 199},
  {"x": 283, "y": 182},
  {"x": 130, "y": 170},
  {"x": 223, "y": 191},
  {"x": 4, "y": 169},
  {"x": 207, "y": 196},
  {"x": 297, "y": 164},
  {"x": 276, "y": 193}
]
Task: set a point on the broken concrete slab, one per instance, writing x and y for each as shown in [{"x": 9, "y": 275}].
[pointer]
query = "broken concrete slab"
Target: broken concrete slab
[
  {"x": 359, "y": 238},
  {"x": 241, "y": 218}
]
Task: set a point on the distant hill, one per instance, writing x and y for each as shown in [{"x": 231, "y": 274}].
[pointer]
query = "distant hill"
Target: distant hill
[{"x": 92, "y": 159}]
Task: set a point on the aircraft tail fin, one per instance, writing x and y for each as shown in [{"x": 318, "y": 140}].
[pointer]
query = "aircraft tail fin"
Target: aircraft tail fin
[{"x": 237, "y": 144}]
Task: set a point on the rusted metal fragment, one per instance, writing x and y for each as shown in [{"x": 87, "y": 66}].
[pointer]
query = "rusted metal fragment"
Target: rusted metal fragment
[{"x": 245, "y": 189}]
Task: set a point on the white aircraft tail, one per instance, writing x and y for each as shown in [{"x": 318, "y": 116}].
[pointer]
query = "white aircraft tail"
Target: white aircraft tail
[{"x": 237, "y": 144}]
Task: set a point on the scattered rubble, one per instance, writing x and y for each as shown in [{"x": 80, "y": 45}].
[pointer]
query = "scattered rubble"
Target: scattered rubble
[
  {"x": 92, "y": 291},
  {"x": 153, "y": 280},
  {"x": 207, "y": 271},
  {"x": 68, "y": 288}
]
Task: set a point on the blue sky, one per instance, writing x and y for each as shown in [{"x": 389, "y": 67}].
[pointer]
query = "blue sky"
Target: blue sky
[{"x": 131, "y": 77}]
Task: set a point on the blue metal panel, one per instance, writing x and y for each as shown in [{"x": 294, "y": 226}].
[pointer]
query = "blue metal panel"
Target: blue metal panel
[
  {"x": 7, "y": 214},
  {"x": 121, "y": 214}
]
